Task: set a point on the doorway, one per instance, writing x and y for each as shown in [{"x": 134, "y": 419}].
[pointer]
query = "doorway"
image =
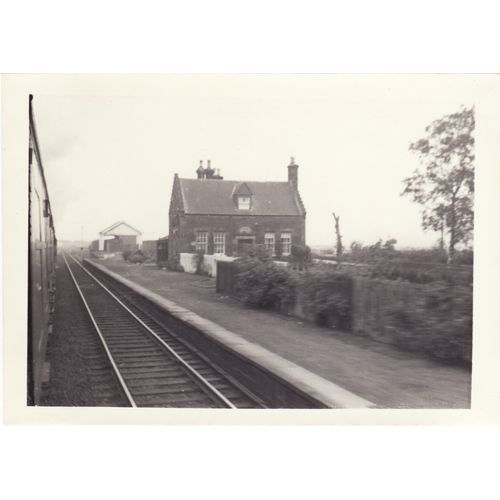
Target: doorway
[{"x": 243, "y": 244}]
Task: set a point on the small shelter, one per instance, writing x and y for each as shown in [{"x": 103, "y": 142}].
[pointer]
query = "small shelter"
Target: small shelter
[{"x": 119, "y": 237}]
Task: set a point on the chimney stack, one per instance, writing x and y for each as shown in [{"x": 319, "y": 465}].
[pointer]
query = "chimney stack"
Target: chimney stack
[
  {"x": 209, "y": 172},
  {"x": 200, "y": 171},
  {"x": 293, "y": 175},
  {"x": 217, "y": 175}
]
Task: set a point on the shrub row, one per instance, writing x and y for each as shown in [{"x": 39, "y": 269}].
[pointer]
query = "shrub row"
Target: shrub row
[
  {"x": 324, "y": 294},
  {"x": 133, "y": 256},
  {"x": 441, "y": 327},
  {"x": 438, "y": 321},
  {"x": 419, "y": 272},
  {"x": 381, "y": 251}
]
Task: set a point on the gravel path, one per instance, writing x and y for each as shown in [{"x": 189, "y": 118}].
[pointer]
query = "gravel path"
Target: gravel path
[{"x": 375, "y": 371}]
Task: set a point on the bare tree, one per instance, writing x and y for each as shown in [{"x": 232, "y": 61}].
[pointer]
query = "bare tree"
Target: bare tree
[{"x": 339, "y": 236}]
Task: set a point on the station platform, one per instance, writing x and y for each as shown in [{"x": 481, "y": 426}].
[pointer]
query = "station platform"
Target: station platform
[{"x": 388, "y": 377}]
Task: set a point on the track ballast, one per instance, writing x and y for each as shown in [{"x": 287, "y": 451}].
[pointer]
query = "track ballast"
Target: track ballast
[{"x": 153, "y": 366}]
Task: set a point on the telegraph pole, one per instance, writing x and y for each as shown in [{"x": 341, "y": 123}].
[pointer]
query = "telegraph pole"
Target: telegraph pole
[{"x": 81, "y": 245}]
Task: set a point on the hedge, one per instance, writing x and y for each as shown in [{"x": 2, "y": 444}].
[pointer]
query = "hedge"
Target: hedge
[{"x": 438, "y": 321}]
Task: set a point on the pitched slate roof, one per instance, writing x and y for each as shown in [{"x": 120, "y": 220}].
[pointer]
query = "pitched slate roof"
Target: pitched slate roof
[{"x": 216, "y": 197}]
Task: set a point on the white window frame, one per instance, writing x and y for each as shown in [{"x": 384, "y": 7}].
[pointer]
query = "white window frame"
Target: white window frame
[
  {"x": 270, "y": 242},
  {"x": 219, "y": 242},
  {"x": 202, "y": 241},
  {"x": 244, "y": 202},
  {"x": 286, "y": 239}
]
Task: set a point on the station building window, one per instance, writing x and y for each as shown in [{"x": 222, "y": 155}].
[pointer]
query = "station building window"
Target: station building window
[
  {"x": 202, "y": 241},
  {"x": 269, "y": 243},
  {"x": 244, "y": 202},
  {"x": 219, "y": 243},
  {"x": 286, "y": 243}
]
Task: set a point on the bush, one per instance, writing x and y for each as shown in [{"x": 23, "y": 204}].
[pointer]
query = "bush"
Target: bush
[
  {"x": 126, "y": 254},
  {"x": 448, "y": 321},
  {"x": 328, "y": 297},
  {"x": 264, "y": 285},
  {"x": 174, "y": 265},
  {"x": 420, "y": 272},
  {"x": 386, "y": 252},
  {"x": 372, "y": 253},
  {"x": 136, "y": 257},
  {"x": 301, "y": 256},
  {"x": 255, "y": 253},
  {"x": 441, "y": 327},
  {"x": 464, "y": 257},
  {"x": 425, "y": 255},
  {"x": 326, "y": 294}
]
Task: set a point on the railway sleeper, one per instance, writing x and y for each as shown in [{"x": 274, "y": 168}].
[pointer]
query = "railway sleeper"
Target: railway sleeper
[
  {"x": 197, "y": 397},
  {"x": 182, "y": 388},
  {"x": 132, "y": 355},
  {"x": 143, "y": 372},
  {"x": 156, "y": 381}
]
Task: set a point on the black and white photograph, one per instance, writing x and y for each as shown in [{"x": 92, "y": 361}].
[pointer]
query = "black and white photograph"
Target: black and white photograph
[
  {"x": 251, "y": 242},
  {"x": 250, "y": 249}
]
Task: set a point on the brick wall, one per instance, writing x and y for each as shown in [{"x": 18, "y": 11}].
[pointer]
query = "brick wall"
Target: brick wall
[{"x": 183, "y": 230}]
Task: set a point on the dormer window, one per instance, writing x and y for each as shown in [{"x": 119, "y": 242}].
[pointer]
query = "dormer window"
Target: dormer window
[
  {"x": 242, "y": 196},
  {"x": 244, "y": 202}
]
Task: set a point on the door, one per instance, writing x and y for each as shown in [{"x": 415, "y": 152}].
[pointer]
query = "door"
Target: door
[{"x": 243, "y": 244}]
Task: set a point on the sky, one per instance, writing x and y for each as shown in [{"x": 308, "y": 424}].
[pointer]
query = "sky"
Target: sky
[{"x": 110, "y": 149}]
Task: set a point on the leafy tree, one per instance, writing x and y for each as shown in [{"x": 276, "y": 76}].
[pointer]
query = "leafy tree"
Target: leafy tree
[{"x": 445, "y": 187}]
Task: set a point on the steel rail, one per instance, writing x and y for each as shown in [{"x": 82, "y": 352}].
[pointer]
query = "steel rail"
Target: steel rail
[
  {"x": 190, "y": 348},
  {"x": 108, "y": 353},
  {"x": 192, "y": 370}
]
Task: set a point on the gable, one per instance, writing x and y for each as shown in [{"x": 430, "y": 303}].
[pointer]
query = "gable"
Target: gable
[
  {"x": 176, "y": 200},
  {"x": 242, "y": 189},
  {"x": 121, "y": 229}
]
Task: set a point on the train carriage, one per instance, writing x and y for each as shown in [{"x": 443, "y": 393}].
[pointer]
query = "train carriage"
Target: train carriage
[{"x": 41, "y": 266}]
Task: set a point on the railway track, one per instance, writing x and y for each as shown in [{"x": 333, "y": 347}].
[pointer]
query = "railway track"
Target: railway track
[{"x": 153, "y": 366}]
